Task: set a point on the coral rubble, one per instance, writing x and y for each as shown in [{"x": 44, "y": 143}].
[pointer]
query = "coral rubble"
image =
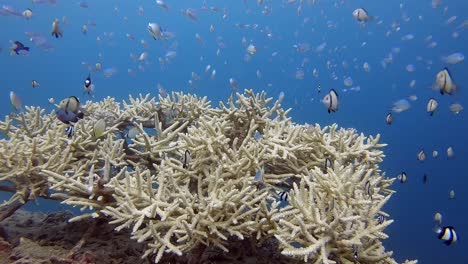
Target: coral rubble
[{"x": 186, "y": 182}]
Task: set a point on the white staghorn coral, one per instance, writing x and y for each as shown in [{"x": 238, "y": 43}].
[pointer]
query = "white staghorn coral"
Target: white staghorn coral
[{"x": 186, "y": 181}]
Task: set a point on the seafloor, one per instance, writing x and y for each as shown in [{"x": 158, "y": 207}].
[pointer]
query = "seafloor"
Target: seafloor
[{"x": 38, "y": 238}]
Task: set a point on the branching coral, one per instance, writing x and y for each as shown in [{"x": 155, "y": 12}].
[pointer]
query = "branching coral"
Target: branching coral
[{"x": 188, "y": 179}]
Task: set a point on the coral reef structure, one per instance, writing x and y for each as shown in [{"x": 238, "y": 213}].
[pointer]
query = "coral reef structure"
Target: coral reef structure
[{"x": 183, "y": 177}]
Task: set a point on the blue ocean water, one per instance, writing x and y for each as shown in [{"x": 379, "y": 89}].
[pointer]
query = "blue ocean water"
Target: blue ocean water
[{"x": 349, "y": 44}]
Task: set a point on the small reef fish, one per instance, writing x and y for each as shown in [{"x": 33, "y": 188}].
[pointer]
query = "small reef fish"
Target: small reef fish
[
  {"x": 251, "y": 49},
  {"x": 331, "y": 101},
  {"x": 162, "y": 4},
  {"x": 435, "y": 153},
  {"x": 233, "y": 83},
  {"x": 421, "y": 155},
  {"x": 133, "y": 133},
  {"x": 431, "y": 106},
  {"x": 369, "y": 189},
  {"x": 438, "y": 218},
  {"x": 187, "y": 159},
  {"x": 450, "y": 152},
  {"x": 69, "y": 110},
  {"x": 258, "y": 179},
  {"x": 35, "y": 84},
  {"x": 389, "y": 119},
  {"x": 99, "y": 128},
  {"x": 190, "y": 13},
  {"x": 444, "y": 82},
  {"x": 56, "y": 31},
  {"x": 456, "y": 108},
  {"x": 380, "y": 219},
  {"x": 283, "y": 196},
  {"x": 16, "y": 101},
  {"x": 452, "y": 194},
  {"x": 447, "y": 234},
  {"x": 70, "y": 131},
  {"x": 19, "y": 49},
  {"x": 157, "y": 32},
  {"x": 361, "y": 15},
  {"x": 257, "y": 135},
  {"x": 402, "y": 177},
  {"x": 400, "y": 106},
  {"x": 454, "y": 58},
  {"x": 27, "y": 13},
  {"x": 88, "y": 87},
  {"x": 425, "y": 178},
  {"x": 327, "y": 164}
]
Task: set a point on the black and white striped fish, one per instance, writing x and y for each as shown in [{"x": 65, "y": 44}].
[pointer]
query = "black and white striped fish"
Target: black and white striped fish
[
  {"x": 369, "y": 189},
  {"x": 283, "y": 196},
  {"x": 447, "y": 234},
  {"x": 70, "y": 130},
  {"x": 187, "y": 159},
  {"x": 331, "y": 101},
  {"x": 380, "y": 219}
]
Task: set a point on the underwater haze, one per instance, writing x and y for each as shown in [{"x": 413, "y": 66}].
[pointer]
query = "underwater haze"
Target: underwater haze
[{"x": 384, "y": 64}]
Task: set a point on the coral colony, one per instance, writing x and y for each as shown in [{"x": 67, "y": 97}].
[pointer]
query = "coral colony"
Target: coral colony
[{"x": 186, "y": 181}]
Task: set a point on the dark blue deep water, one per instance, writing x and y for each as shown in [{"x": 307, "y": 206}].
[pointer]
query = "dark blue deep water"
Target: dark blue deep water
[{"x": 348, "y": 44}]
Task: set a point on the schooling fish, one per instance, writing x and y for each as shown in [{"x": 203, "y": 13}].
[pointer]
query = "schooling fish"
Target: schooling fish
[
  {"x": 56, "y": 31},
  {"x": 389, "y": 119},
  {"x": 444, "y": 82},
  {"x": 35, "y": 83},
  {"x": 431, "y": 106},
  {"x": 361, "y": 15},
  {"x": 402, "y": 177}
]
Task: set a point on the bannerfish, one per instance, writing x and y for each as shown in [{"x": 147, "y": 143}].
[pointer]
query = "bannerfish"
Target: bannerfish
[
  {"x": 444, "y": 82},
  {"x": 35, "y": 83},
  {"x": 431, "y": 106},
  {"x": 402, "y": 177},
  {"x": 69, "y": 110},
  {"x": 327, "y": 164},
  {"x": 361, "y": 15},
  {"x": 27, "y": 13},
  {"x": 187, "y": 159},
  {"x": 157, "y": 32},
  {"x": 389, "y": 119},
  {"x": 56, "y": 31},
  {"x": 447, "y": 234},
  {"x": 331, "y": 101},
  {"x": 421, "y": 155},
  {"x": 452, "y": 194},
  {"x": 251, "y": 49},
  {"x": 425, "y": 178},
  {"x": 18, "y": 48},
  {"x": 450, "y": 152},
  {"x": 369, "y": 189}
]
